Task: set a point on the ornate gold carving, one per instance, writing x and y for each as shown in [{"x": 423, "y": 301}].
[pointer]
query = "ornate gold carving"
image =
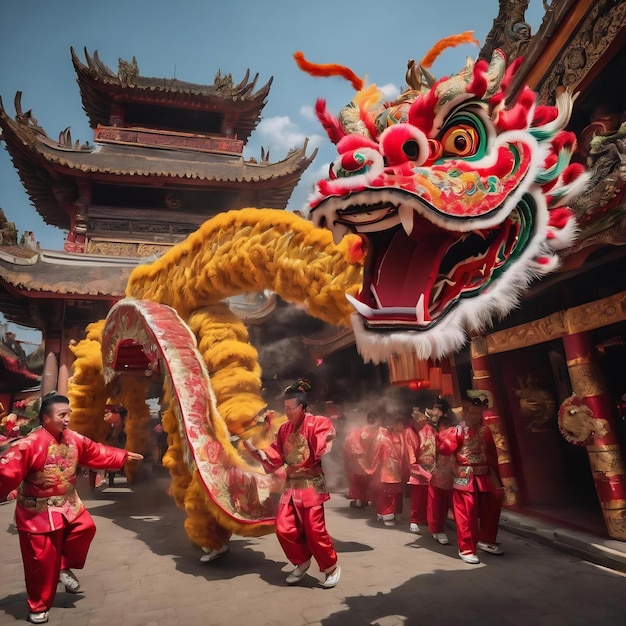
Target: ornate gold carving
[
  {"x": 537, "y": 406},
  {"x": 615, "y": 520},
  {"x": 478, "y": 346},
  {"x": 150, "y": 249},
  {"x": 585, "y": 380},
  {"x": 112, "y": 248},
  {"x": 606, "y": 462},
  {"x": 530, "y": 334},
  {"x": 569, "y": 321},
  {"x": 595, "y": 314},
  {"x": 481, "y": 374},
  {"x": 597, "y": 31},
  {"x": 577, "y": 422}
]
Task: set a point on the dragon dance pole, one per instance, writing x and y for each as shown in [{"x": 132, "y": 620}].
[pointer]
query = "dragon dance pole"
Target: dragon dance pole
[
  {"x": 481, "y": 379},
  {"x": 607, "y": 466}
]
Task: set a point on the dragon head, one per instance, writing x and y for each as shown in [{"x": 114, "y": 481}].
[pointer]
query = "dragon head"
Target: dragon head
[{"x": 459, "y": 196}]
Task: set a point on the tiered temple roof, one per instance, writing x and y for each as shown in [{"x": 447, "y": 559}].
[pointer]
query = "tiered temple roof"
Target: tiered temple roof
[
  {"x": 100, "y": 87},
  {"x": 167, "y": 155}
]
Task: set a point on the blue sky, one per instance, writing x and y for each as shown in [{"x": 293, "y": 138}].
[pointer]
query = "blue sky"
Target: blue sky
[{"x": 192, "y": 39}]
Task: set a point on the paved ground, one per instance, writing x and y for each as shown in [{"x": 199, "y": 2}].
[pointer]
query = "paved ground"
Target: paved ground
[{"x": 143, "y": 571}]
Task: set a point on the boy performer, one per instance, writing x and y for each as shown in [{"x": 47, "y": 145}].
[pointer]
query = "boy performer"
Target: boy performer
[
  {"x": 300, "y": 525},
  {"x": 440, "y": 486},
  {"x": 419, "y": 441},
  {"x": 477, "y": 489}
]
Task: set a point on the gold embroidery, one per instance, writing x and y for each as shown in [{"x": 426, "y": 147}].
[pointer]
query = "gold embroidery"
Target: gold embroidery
[{"x": 296, "y": 449}]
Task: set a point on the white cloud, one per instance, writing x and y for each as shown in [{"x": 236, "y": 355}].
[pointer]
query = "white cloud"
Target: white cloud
[
  {"x": 308, "y": 113},
  {"x": 281, "y": 134},
  {"x": 390, "y": 90}
]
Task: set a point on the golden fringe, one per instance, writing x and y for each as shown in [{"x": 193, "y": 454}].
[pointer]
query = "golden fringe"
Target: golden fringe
[
  {"x": 233, "y": 253},
  {"x": 133, "y": 392},
  {"x": 251, "y": 250},
  {"x": 86, "y": 390}
]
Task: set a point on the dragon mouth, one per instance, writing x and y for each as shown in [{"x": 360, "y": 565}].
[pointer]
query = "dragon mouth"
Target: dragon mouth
[{"x": 415, "y": 271}]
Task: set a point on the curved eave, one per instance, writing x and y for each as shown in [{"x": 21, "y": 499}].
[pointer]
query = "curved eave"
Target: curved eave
[
  {"x": 36, "y": 176},
  {"x": 99, "y": 87},
  {"x": 65, "y": 275},
  {"x": 42, "y": 164}
]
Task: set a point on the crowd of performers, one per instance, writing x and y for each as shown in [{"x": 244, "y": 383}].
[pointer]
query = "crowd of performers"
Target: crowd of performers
[
  {"x": 442, "y": 463},
  {"x": 445, "y": 465}
]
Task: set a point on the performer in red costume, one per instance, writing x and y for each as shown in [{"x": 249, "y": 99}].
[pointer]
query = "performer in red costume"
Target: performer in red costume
[
  {"x": 419, "y": 446},
  {"x": 358, "y": 452},
  {"x": 477, "y": 490},
  {"x": 440, "y": 486},
  {"x": 300, "y": 525},
  {"x": 387, "y": 467},
  {"x": 54, "y": 527}
]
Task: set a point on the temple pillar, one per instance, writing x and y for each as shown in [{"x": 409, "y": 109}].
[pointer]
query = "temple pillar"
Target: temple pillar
[
  {"x": 605, "y": 459},
  {"x": 65, "y": 363},
  {"x": 50, "y": 376},
  {"x": 481, "y": 379}
]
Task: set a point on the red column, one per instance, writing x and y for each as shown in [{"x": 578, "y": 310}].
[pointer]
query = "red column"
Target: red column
[
  {"x": 481, "y": 379},
  {"x": 605, "y": 459}
]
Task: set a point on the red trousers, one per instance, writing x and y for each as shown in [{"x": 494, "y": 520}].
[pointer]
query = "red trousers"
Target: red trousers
[
  {"x": 45, "y": 555},
  {"x": 359, "y": 487},
  {"x": 439, "y": 501},
  {"x": 302, "y": 533},
  {"x": 419, "y": 502},
  {"x": 476, "y": 514},
  {"x": 389, "y": 500}
]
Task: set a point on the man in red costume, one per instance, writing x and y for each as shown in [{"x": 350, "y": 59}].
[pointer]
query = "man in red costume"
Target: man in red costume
[
  {"x": 419, "y": 442},
  {"x": 388, "y": 469},
  {"x": 358, "y": 452},
  {"x": 54, "y": 527},
  {"x": 300, "y": 525},
  {"x": 477, "y": 490},
  {"x": 442, "y": 477}
]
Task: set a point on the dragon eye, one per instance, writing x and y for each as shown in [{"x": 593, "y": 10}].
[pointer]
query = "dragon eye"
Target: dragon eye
[{"x": 460, "y": 141}]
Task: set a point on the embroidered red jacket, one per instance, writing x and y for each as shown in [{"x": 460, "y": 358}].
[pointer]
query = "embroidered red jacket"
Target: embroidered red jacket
[{"x": 45, "y": 470}]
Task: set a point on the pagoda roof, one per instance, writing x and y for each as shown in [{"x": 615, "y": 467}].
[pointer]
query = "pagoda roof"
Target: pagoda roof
[
  {"x": 48, "y": 274},
  {"x": 48, "y": 168},
  {"x": 100, "y": 86}
]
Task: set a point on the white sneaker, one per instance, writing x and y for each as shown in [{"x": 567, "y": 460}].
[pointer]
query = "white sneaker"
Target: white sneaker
[
  {"x": 472, "y": 559},
  {"x": 389, "y": 522},
  {"x": 442, "y": 538},
  {"x": 333, "y": 578},
  {"x": 67, "y": 578},
  {"x": 298, "y": 574},
  {"x": 414, "y": 528},
  {"x": 38, "y": 618},
  {"x": 214, "y": 554},
  {"x": 492, "y": 548}
]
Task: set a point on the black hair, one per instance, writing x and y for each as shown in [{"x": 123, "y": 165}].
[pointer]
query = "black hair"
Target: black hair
[
  {"x": 299, "y": 390},
  {"x": 443, "y": 404},
  {"x": 48, "y": 401}
]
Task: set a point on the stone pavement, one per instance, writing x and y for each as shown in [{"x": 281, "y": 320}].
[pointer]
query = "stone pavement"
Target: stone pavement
[{"x": 143, "y": 571}]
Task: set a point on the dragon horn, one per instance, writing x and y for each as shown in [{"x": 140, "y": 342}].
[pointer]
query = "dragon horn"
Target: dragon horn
[{"x": 328, "y": 69}]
